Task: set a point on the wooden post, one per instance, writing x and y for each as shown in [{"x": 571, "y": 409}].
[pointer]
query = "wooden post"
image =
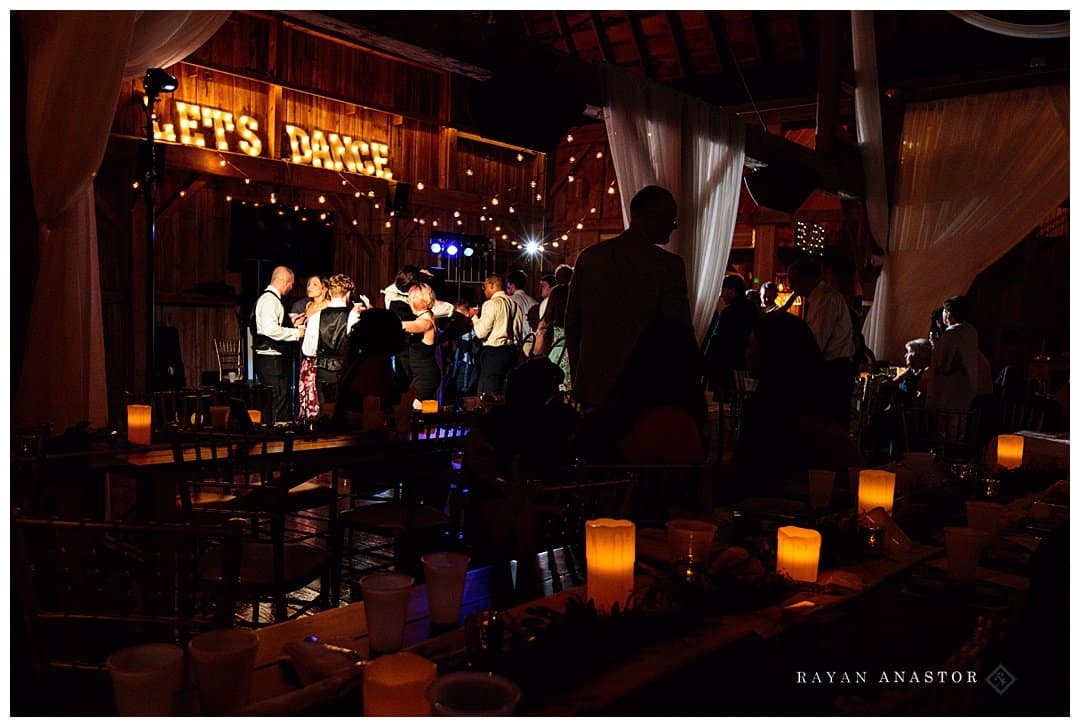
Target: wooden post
[{"x": 765, "y": 252}]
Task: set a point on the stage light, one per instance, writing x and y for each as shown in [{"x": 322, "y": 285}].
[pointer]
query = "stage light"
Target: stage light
[
  {"x": 436, "y": 248},
  {"x": 451, "y": 250},
  {"x": 532, "y": 247},
  {"x": 157, "y": 80},
  {"x": 468, "y": 251}
]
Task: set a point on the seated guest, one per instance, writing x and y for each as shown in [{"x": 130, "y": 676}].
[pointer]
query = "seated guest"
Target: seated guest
[
  {"x": 786, "y": 428},
  {"x": 911, "y": 384}
]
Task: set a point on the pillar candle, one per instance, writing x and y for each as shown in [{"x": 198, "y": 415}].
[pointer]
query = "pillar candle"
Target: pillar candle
[
  {"x": 1010, "y": 451},
  {"x": 138, "y": 423},
  {"x": 797, "y": 553},
  {"x": 395, "y": 685},
  {"x": 876, "y": 489},
  {"x": 255, "y": 415},
  {"x": 609, "y": 553}
]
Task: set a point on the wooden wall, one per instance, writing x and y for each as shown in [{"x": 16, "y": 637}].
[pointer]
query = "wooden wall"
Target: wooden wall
[{"x": 277, "y": 73}]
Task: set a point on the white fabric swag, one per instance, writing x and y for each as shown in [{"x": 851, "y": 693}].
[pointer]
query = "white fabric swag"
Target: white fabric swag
[
  {"x": 660, "y": 136},
  {"x": 976, "y": 175},
  {"x": 81, "y": 58},
  {"x": 868, "y": 124}
]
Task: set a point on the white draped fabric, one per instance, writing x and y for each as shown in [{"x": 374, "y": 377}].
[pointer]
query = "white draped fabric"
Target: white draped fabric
[
  {"x": 976, "y": 175},
  {"x": 76, "y": 62},
  {"x": 1015, "y": 30},
  {"x": 660, "y": 136},
  {"x": 868, "y": 124}
]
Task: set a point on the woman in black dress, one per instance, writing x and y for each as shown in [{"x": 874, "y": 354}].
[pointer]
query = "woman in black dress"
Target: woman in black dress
[{"x": 426, "y": 373}]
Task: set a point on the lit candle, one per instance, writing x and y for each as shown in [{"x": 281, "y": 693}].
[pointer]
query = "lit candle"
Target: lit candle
[
  {"x": 395, "y": 685},
  {"x": 138, "y": 423},
  {"x": 876, "y": 489},
  {"x": 609, "y": 554},
  {"x": 255, "y": 415},
  {"x": 1010, "y": 451},
  {"x": 797, "y": 553},
  {"x": 429, "y": 406}
]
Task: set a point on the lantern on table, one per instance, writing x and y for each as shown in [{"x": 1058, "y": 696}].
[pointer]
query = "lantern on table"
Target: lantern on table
[
  {"x": 609, "y": 553},
  {"x": 797, "y": 553}
]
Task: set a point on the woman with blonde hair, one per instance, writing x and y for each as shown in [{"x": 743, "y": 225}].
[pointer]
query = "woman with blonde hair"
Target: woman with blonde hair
[{"x": 426, "y": 374}]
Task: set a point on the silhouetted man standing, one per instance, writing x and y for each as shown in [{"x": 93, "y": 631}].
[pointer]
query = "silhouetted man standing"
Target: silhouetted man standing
[{"x": 619, "y": 287}]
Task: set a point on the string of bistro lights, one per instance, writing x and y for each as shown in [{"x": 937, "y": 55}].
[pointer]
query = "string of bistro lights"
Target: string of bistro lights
[
  {"x": 810, "y": 237},
  {"x": 256, "y": 197}
]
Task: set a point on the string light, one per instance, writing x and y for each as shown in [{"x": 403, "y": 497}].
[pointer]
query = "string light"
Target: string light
[
  {"x": 322, "y": 199},
  {"x": 498, "y": 228},
  {"x": 566, "y": 237},
  {"x": 592, "y": 210},
  {"x": 510, "y": 210},
  {"x": 223, "y": 163},
  {"x": 355, "y": 223},
  {"x": 457, "y": 213},
  {"x": 520, "y": 157},
  {"x": 247, "y": 180},
  {"x": 388, "y": 223},
  {"x": 611, "y": 190},
  {"x": 134, "y": 185},
  {"x": 570, "y": 137},
  {"x": 570, "y": 179},
  {"x": 573, "y": 159},
  {"x": 469, "y": 172},
  {"x": 419, "y": 186},
  {"x": 228, "y": 198},
  {"x": 434, "y": 223},
  {"x": 599, "y": 155},
  {"x": 183, "y": 193},
  {"x": 539, "y": 197},
  {"x": 554, "y": 244},
  {"x": 357, "y": 195},
  {"x": 494, "y": 201},
  {"x": 580, "y": 226}
]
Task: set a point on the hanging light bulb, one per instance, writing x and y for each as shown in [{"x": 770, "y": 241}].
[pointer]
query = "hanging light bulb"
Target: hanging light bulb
[
  {"x": 357, "y": 195},
  {"x": 592, "y": 210},
  {"x": 570, "y": 137},
  {"x": 580, "y": 226},
  {"x": 570, "y": 179},
  {"x": 183, "y": 193},
  {"x": 539, "y": 197},
  {"x": 494, "y": 200},
  {"x": 228, "y": 198},
  {"x": 222, "y": 163},
  {"x": 483, "y": 218},
  {"x": 296, "y": 208},
  {"x": 388, "y": 223},
  {"x": 599, "y": 155},
  {"x": 434, "y": 223},
  {"x": 322, "y": 216},
  {"x": 520, "y": 157},
  {"x": 134, "y": 185},
  {"x": 247, "y": 180},
  {"x": 533, "y": 184},
  {"x": 565, "y": 236},
  {"x": 498, "y": 228},
  {"x": 469, "y": 172},
  {"x": 554, "y": 244},
  {"x": 611, "y": 190},
  {"x": 419, "y": 186},
  {"x": 510, "y": 210},
  {"x": 457, "y": 213},
  {"x": 355, "y": 223}
]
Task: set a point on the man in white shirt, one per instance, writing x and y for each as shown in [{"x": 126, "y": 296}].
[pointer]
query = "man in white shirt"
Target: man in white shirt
[
  {"x": 826, "y": 313},
  {"x": 501, "y": 326},
  {"x": 270, "y": 339},
  {"x": 326, "y": 332},
  {"x": 955, "y": 362},
  {"x": 516, "y": 283}
]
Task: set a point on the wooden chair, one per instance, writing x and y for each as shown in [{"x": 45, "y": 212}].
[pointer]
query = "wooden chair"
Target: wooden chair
[
  {"x": 952, "y": 435},
  {"x": 240, "y": 476},
  {"x": 87, "y": 588},
  {"x": 414, "y": 516},
  {"x": 227, "y": 351},
  {"x": 660, "y": 492}
]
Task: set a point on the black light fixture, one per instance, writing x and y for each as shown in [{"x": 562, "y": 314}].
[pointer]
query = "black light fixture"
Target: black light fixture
[{"x": 157, "y": 80}]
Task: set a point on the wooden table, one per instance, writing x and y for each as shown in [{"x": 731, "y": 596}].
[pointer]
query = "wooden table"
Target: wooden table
[
  {"x": 154, "y": 469},
  {"x": 347, "y": 627}
]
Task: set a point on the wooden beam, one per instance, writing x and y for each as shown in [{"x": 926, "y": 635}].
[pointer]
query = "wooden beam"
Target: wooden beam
[
  {"x": 678, "y": 34},
  {"x": 719, "y": 36},
  {"x": 564, "y": 30},
  {"x": 391, "y": 47},
  {"x": 192, "y": 186},
  {"x": 601, "y": 36},
  {"x": 639, "y": 43},
  {"x": 828, "y": 91},
  {"x": 761, "y": 37}
]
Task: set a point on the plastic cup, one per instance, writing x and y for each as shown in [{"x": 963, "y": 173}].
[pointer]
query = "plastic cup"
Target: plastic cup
[
  {"x": 145, "y": 677},
  {"x": 984, "y": 516},
  {"x": 690, "y": 542},
  {"x": 963, "y": 546},
  {"x": 822, "y": 483},
  {"x": 223, "y": 661},
  {"x": 444, "y": 574},
  {"x": 473, "y": 694},
  {"x": 386, "y": 603}
]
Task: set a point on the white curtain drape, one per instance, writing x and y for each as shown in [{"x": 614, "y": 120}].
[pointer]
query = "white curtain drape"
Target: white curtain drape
[
  {"x": 660, "y": 136},
  {"x": 76, "y": 62},
  {"x": 976, "y": 175},
  {"x": 868, "y": 123},
  {"x": 1015, "y": 30}
]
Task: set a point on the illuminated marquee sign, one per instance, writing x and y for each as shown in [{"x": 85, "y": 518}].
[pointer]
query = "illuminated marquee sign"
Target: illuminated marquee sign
[
  {"x": 329, "y": 150},
  {"x": 202, "y": 126}
]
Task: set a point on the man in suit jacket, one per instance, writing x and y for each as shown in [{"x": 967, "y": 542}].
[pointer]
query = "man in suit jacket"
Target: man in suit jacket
[{"x": 619, "y": 287}]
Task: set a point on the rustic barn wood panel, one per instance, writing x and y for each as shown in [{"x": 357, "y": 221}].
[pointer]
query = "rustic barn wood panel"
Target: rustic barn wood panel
[
  {"x": 341, "y": 70},
  {"x": 242, "y": 43}
]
